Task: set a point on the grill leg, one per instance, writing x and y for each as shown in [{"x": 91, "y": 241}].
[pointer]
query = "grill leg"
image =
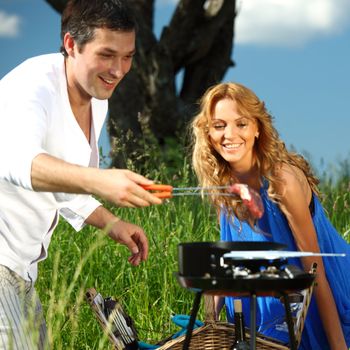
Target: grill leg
[
  {"x": 194, "y": 312},
  {"x": 290, "y": 322},
  {"x": 252, "y": 321}
]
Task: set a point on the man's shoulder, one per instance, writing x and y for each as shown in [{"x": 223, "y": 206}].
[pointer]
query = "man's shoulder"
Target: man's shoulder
[
  {"x": 34, "y": 76},
  {"x": 35, "y": 68}
]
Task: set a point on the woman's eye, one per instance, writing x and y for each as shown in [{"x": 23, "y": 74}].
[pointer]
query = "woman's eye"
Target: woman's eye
[
  {"x": 218, "y": 126},
  {"x": 242, "y": 125}
]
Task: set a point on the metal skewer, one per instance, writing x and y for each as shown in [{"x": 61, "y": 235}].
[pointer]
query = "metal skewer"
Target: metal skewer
[
  {"x": 206, "y": 194},
  {"x": 199, "y": 188}
]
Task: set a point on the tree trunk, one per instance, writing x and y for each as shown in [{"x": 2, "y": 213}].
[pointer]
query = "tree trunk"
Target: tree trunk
[{"x": 197, "y": 43}]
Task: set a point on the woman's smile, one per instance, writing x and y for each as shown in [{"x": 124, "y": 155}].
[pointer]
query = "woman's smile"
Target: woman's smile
[{"x": 232, "y": 146}]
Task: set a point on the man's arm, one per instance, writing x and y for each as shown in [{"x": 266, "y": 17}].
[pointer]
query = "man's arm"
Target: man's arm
[
  {"x": 122, "y": 232},
  {"x": 118, "y": 186}
]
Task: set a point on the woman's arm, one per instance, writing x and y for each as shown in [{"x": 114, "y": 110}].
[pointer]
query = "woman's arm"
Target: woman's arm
[{"x": 296, "y": 195}]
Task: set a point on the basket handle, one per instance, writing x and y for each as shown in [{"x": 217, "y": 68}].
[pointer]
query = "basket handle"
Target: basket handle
[{"x": 209, "y": 308}]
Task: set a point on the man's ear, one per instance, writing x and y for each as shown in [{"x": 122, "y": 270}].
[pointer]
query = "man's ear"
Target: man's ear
[{"x": 69, "y": 44}]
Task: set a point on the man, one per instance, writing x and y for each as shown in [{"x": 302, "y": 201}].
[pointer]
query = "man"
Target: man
[{"x": 52, "y": 109}]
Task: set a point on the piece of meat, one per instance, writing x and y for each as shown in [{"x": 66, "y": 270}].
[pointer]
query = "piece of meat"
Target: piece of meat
[{"x": 250, "y": 198}]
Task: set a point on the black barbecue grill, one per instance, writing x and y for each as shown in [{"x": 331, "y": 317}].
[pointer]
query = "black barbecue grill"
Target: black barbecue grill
[{"x": 213, "y": 268}]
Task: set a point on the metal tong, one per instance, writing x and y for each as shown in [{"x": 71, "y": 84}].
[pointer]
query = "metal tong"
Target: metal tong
[{"x": 168, "y": 191}]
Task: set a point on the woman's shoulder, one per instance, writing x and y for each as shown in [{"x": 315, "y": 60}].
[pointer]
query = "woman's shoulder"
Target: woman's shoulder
[
  {"x": 293, "y": 187},
  {"x": 291, "y": 177}
]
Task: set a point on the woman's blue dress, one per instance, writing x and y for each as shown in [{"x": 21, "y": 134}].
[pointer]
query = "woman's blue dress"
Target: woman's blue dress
[{"x": 270, "y": 315}]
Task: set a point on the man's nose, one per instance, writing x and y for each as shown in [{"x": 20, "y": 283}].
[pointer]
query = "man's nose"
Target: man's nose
[{"x": 117, "y": 70}]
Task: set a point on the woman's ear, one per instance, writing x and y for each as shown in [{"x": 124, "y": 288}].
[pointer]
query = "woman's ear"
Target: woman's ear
[{"x": 257, "y": 134}]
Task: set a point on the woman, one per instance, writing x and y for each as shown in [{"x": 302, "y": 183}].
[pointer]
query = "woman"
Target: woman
[{"x": 235, "y": 142}]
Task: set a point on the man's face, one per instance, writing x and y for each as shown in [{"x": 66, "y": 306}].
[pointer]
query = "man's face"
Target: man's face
[{"x": 98, "y": 67}]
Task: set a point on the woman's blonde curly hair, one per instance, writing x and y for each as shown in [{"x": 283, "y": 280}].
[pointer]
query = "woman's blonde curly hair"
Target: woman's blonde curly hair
[{"x": 269, "y": 151}]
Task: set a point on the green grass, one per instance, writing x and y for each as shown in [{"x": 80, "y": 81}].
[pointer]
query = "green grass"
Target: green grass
[{"x": 336, "y": 201}]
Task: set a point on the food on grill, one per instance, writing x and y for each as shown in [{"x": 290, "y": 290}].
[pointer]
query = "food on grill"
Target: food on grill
[{"x": 250, "y": 198}]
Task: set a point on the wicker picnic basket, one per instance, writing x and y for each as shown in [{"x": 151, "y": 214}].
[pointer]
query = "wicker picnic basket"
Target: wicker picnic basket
[{"x": 215, "y": 335}]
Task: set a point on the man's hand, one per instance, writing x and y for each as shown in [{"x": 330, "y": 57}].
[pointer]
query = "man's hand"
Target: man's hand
[
  {"x": 122, "y": 187},
  {"x": 122, "y": 232},
  {"x": 118, "y": 186},
  {"x": 133, "y": 237}
]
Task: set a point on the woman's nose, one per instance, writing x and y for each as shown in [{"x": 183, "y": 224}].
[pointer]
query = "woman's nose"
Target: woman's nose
[{"x": 230, "y": 131}]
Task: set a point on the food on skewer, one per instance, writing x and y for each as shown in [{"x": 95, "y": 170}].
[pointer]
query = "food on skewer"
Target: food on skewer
[{"x": 250, "y": 198}]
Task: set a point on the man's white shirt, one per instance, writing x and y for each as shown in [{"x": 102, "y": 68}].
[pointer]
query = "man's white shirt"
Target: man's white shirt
[{"x": 35, "y": 118}]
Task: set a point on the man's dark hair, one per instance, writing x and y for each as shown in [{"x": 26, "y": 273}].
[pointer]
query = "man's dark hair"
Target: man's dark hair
[{"x": 81, "y": 17}]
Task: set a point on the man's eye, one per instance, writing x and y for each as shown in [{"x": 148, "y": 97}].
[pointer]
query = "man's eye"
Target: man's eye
[
  {"x": 128, "y": 57},
  {"x": 106, "y": 55}
]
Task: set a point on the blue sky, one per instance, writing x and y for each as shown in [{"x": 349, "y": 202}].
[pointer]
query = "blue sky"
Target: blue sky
[{"x": 294, "y": 54}]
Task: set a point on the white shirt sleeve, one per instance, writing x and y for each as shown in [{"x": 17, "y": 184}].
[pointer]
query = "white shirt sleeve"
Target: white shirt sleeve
[
  {"x": 78, "y": 209},
  {"x": 21, "y": 138}
]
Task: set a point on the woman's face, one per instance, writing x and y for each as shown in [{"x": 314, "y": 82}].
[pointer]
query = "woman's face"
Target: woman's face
[{"x": 232, "y": 135}]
